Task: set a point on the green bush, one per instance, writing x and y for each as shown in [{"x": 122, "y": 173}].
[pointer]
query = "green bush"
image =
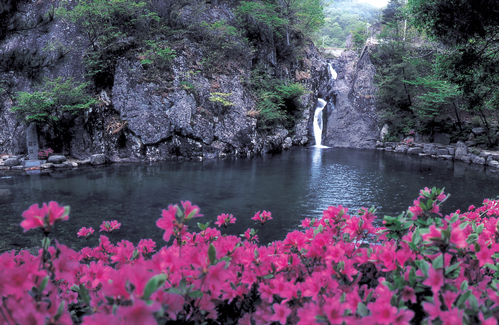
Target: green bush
[
  {"x": 278, "y": 100},
  {"x": 55, "y": 104}
]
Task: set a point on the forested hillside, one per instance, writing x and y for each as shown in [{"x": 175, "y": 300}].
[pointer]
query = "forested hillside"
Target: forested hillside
[
  {"x": 343, "y": 17},
  {"x": 437, "y": 70}
]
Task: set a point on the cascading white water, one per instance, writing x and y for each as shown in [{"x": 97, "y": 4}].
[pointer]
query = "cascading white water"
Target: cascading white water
[
  {"x": 334, "y": 75},
  {"x": 318, "y": 122}
]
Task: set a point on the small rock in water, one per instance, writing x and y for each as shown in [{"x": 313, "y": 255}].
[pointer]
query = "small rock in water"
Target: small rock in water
[
  {"x": 98, "y": 159},
  {"x": 56, "y": 159}
]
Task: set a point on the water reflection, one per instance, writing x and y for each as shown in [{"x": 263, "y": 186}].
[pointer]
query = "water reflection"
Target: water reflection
[{"x": 296, "y": 184}]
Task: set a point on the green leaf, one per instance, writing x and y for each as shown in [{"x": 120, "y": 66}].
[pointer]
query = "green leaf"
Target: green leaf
[
  {"x": 175, "y": 290},
  {"x": 204, "y": 226},
  {"x": 412, "y": 277},
  {"x": 83, "y": 294},
  {"x": 362, "y": 309},
  {"x": 451, "y": 268},
  {"x": 462, "y": 299},
  {"x": 491, "y": 266},
  {"x": 154, "y": 284},
  {"x": 195, "y": 294},
  {"x": 45, "y": 243},
  {"x": 438, "y": 262},
  {"x": 464, "y": 285},
  {"x": 60, "y": 310},
  {"x": 212, "y": 254},
  {"x": 43, "y": 284},
  {"x": 473, "y": 302}
]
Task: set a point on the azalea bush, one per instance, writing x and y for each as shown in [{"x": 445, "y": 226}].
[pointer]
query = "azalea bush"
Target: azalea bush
[{"x": 418, "y": 268}]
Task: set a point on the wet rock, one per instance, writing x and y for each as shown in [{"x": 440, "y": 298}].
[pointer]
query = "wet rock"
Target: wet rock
[
  {"x": 402, "y": 148},
  {"x": 288, "y": 143},
  {"x": 352, "y": 120},
  {"x": 493, "y": 163},
  {"x": 56, "y": 159},
  {"x": 477, "y": 160},
  {"x": 430, "y": 148},
  {"x": 442, "y": 152},
  {"x": 98, "y": 159},
  {"x": 461, "y": 150},
  {"x": 12, "y": 161},
  {"x": 478, "y": 131},
  {"x": 414, "y": 150}
]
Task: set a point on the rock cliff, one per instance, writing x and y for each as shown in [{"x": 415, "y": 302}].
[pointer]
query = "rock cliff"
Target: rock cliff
[
  {"x": 199, "y": 113},
  {"x": 350, "y": 116}
]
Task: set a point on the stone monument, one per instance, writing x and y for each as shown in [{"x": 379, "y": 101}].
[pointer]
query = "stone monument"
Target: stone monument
[{"x": 32, "y": 141}]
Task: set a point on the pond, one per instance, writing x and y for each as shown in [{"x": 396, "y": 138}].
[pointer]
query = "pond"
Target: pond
[{"x": 296, "y": 184}]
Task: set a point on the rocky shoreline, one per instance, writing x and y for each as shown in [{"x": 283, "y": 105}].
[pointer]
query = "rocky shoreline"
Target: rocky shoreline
[
  {"x": 11, "y": 162},
  {"x": 454, "y": 152}
]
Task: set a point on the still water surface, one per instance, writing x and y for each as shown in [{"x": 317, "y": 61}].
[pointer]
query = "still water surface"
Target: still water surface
[{"x": 293, "y": 185}]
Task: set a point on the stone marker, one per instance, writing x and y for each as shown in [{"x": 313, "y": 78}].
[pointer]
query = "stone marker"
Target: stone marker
[{"x": 32, "y": 141}]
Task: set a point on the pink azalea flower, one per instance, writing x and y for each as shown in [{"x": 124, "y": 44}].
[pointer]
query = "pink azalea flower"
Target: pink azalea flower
[
  {"x": 334, "y": 310},
  {"x": 404, "y": 317},
  {"x": 435, "y": 280},
  {"x": 43, "y": 217},
  {"x": 84, "y": 232},
  {"x": 146, "y": 246},
  {"x": 458, "y": 237},
  {"x": 262, "y": 217},
  {"x": 485, "y": 255},
  {"x": 167, "y": 221},
  {"x": 449, "y": 298},
  {"x": 408, "y": 294},
  {"x": 281, "y": 313},
  {"x": 250, "y": 235},
  {"x": 225, "y": 219},
  {"x": 383, "y": 312},
  {"x": 139, "y": 313},
  {"x": 190, "y": 211},
  {"x": 109, "y": 226}
]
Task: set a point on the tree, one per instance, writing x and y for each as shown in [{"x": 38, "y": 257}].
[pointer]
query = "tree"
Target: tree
[
  {"x": 469, "y": 57},
  {"x": 55, "y": 105}
]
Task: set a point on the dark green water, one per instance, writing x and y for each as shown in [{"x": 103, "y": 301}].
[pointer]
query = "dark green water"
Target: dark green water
[{"x": 293, "y": 185}]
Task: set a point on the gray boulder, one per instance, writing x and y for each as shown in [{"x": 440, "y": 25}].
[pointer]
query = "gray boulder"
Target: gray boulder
[
  {"x": 478, "y": 160},
  {"x": 430, "y": 149},
  {"x": 98, "y": 159},
  {"x": 402, "y": 148},
  {"x": 56, "y": 159},
  {"x": 414, "y": 151},
  {"x": 442, "y": 152},
  {"x": 12, "y": 161},
  {"x": 461, "y": 150},
  {"x": 287, "y": 143}
]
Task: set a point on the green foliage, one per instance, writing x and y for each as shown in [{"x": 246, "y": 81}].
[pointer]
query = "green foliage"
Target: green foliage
[
  {"x": 342, "y": 18},
  {"x": 57, "y": 101},
  {"x": 157, "y": 54},
  {"x": 111, "y": 27},
  {"x": 278, "y": 100},
  {"x": 221, "y": 98},
  {"x": 469, "y": 55},
  {"x": 280, "y": 20}
]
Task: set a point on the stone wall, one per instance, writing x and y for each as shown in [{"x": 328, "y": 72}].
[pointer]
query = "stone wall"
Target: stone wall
[{"x": 453, "y": 152}]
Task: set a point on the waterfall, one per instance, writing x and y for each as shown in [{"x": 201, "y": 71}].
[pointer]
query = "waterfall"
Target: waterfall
[
  {"x": 334, "y": 75},
  {"x": 318, "y": 122}
]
